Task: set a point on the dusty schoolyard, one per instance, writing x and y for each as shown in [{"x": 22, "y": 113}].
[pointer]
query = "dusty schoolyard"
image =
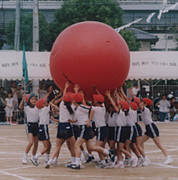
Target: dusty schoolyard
[{"x": 13, "y": 141}]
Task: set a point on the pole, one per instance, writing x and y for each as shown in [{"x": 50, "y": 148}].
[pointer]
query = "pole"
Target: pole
[
  {"x": 35, "y": 26},
  {"x": 17, "y": 27}
]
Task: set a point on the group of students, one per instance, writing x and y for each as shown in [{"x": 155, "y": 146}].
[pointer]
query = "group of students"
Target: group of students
[{"x": 112, "y": 120}]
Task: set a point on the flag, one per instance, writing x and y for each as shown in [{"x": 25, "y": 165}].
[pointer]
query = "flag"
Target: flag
[
  {"x": 160, "y": 14},
  {"x": 24, "y": 66},
  {"x": 148, "y": 20},
  {"x": 128, "y": 25},
  {"x": 172, "y": 7}
]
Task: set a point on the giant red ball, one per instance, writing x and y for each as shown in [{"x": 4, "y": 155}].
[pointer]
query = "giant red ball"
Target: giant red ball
[{"x": 90, "y": 54}]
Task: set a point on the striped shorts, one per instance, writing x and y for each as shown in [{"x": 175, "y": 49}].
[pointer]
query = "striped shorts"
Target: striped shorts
[
  {"x": 152, "y": 130},
  {"x": 43, "y": 132},
  {"x": 85, "y": 132}
]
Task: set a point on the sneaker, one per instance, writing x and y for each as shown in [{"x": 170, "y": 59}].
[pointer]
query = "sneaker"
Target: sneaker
[
  {"x": 146, "y": 162},
  {"x": 47, "y": 166},
  {"x": 24, "y": 159},
  {"x": 90, "y": 158},
  {"x": 133, "y": 162},
  {"x": 168, "y": 160},
  {"x": 82, "y": 166},
  {"x": 54, "y": 162},
  {"x": 111, "y": 155},
  {"x": 101, "y": 166},
  {"x": 120, "y": 164},
  {"x": 86, "y": 156},
  {"x": 34, "y": 161},
  {"x": 140, "y": 162},
  {"x": 73, "y": 166},
  {"x": 127, "y": 162}
]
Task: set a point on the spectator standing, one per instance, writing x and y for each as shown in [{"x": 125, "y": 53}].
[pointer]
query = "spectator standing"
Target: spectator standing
[
  {"x": 3, "y": 96},
  {"x": 9, "y": 102},
  {"x": 135, "y": 90},
  {"x": 164, "y": 106},
  {"x": 3, "y": 93},
  {"x": 42, "y": 92},
  {"x": 173, "y": 109},
  {"x": 19, "y": 92}
]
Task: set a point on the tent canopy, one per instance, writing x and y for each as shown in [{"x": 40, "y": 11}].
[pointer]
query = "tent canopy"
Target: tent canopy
[{"x": 144, "y": 65}]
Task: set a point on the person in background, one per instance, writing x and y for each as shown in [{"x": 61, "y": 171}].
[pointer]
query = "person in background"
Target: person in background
[
  {"x": 3, "y": 96},
  {"x": 3, "y": 93},
  {"x": 14, "y": 94},
  {"x": 135, "y": 90},
  {"x": 164, "y": 106},
  {"x": 9, "y": 102},
  {"x": 19, "y": 92},
  {"x": 42, "y": 91},
  {"x": 173, "y": 109}
]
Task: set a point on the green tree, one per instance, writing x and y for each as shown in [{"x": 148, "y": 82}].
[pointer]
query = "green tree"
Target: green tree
[
  {"x": 73, "y": 11},
  {"x": 129, "y": 37},
  {"x": 26, "y": 32}
]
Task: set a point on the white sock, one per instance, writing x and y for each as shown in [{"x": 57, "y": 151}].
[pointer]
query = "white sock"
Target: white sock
[
  {"x": 84, "y": 153},
  {"x": 90, "y": 155},
  {"x": 106, "y": 151},
  {"x": 33, "y": 156},
  {"x": 103, "y": 162},
  {"x": 38, "y": 155},
  {"x": 77, "y": 161},
  {"x": 47, "y": 157},
  {"x": 73, "y": 160},
  {"x": 25, "y": 154},
  {"x": 55, "y": 159}
]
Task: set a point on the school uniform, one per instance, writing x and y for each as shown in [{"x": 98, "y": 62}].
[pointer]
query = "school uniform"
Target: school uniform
[
  {"x": 44, "y": 117},
  {"x": 65, "y": 130},
  {"x": 121, "y": 132},
  {"x": 151, "y": 129},
  {"x": 130, "y": 126},
  {"x": 137, "y": 126},
  {"x": 111, "y": 122},
  {"x": 100, "y": 122},
  {"x": 32, "y": 114},
  {"x": 82, "y": 114}
]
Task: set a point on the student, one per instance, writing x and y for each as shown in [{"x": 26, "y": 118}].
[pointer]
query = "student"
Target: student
[
  {"x": 151, "y": 129},
  {"x": 9, "y": 102},
  {"x": 65, "y": 131},
  {"x": 31, "y": 112},
  {"x": 121, "y": 133},
  {"x": 43, "y": 134},
  {"x": 84, "y": 116}
]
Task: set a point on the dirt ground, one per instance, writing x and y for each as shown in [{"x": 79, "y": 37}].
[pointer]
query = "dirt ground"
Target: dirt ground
[{"x": 13, "y": 141}]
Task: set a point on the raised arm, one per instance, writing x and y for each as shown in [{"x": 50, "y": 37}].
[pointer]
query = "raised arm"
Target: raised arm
[
  {"x": 65, "y": 88},
  {"x": 76, "y": 88},
  {"x": 22, "y": 102},
  {"x": 97, "y": 91},
  {"x": 111, "y": 100}
]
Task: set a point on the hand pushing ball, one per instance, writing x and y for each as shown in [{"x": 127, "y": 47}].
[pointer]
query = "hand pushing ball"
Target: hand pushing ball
[{"x": 90, "y": 54}]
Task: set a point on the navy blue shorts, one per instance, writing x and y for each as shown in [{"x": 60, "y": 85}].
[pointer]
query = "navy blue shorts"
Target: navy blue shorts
[
  {"x": 121, "y": 134},
  {"x": 65, "y": 131},
  {"x": 152, "y": 130},
  {"x": 94, "y": 129},
  {"x": 131, "y": 133},
  {"x": 111, "y": 133},
  {"x": 85, "y": 132},
  {"x": 76, "y": 130},
  {"x": 102, "y": 133},
  {"x": 32, "y": 128},
  {"x": 43, "y": 132},
  {"x": 138, "y": 129}
]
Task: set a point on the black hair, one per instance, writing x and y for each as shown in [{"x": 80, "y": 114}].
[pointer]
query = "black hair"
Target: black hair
[
  {"x": 68, "y": 106},
  {"x": 126, "y": 113},
  {"x": 164, "y": 95}
]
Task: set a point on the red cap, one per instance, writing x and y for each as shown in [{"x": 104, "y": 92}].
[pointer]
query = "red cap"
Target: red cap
[
  {"x": 67, "y": 97},
  {"x": 40, "y": 102},
  {"x": 133, "y": 106},
  {"x": 78, "y": 97},
  {"x": 125, "y": 105},
  {"x": 98, "y": 98},
  {"x": 27, "y": 97},
  {"x": 137, "y": 101},
  {"x": 148, "y": 101}
]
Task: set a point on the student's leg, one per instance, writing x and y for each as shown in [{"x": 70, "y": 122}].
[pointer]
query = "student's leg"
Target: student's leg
[
  {"x": 35, "y": 145},
  {"x": 123, "y": 150},
  {"x": 30, "y": 142},
  {"x": 100, "y": 143},
  {"x": 157, "y": 141},
  {"x": 138, "y": 144}
]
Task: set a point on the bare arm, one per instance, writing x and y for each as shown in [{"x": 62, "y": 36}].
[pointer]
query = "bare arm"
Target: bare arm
[
  {"x": 54, "y": 106},
  {"x": 112, "y": 101},
  {"x": 22, "y": 102},
  {"x": 88, "y": 123},
  {"x": 65, "y": 88}
]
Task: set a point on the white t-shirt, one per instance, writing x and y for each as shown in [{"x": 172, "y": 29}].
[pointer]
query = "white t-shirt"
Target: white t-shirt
[
  {"x": 135, "y": 91},
  {"x": 164, "y": 106},
  {"x": 99, "y": 115},
  {"x": 64, "y": 114},
  {"x": 134, "y": 116},
  {"x": 44, "y": 115},
  {"x": 9, "y": 101},
  {"x": 112, "y": 119},
  {"x": 146, "y": 116},
  {"x": 130, "y": 118},
  {"x": 82, "y": 114},
  {"x": 121, "y": 120},
  {"x": 14, "y": 95},
  {"x": 32, "y": 114}
]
